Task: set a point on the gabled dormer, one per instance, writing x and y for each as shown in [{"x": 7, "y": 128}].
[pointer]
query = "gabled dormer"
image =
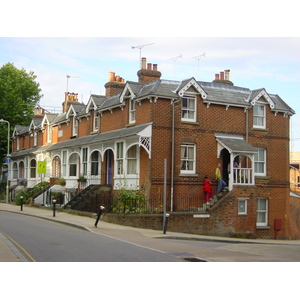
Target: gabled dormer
[
  {"x": 93, "y": 104},
  {"x": 130, "y": 90},
  {"x": 188, "y": 90},
  {"x": 260, "y": 100}
]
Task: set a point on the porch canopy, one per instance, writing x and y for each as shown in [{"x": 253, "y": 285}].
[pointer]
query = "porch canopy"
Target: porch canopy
[{"x": 241, "y": 162}]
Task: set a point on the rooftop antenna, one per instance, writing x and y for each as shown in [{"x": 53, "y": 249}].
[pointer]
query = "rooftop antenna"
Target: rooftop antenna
[
  {"x": 198, "y": 58},
  {"x": 175, "y": 59},
  {"x": 140, "y": 47},
  {"x": 69, "y": 76}
]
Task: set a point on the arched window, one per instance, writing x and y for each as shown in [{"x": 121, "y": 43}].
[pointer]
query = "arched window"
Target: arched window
[
  {"x": 21, "y": 170},
  {"x": 56, "y": 167},
  {"x": 33, "y": 168},
  {"x": 95, "y": 163},
  {"x": 73, "y": 164},
  {"x": 132, "y": 160},
  {"x": 15, "y": 170}
]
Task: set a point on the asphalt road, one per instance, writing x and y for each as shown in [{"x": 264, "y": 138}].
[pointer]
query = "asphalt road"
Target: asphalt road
[{"x": 46, "y": 241}]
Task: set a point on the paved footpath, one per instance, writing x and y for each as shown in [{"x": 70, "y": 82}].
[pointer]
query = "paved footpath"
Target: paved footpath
[{"x": 139, "y": 236}]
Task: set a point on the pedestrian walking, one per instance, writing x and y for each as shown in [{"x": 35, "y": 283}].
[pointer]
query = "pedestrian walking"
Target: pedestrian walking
[
  {"x": 221, "y": 182},
  {"x": 207, "y": 188}
]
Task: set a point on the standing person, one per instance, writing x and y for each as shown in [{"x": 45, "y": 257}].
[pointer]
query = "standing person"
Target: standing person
[
  {"x": 207, "y": 188},
  {"x": 221, "y": 182}
]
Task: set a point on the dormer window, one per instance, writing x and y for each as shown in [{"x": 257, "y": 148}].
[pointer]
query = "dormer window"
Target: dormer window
[
  {"x": 259, "y": 116},
  {"x": 132, "y": 111},
  {"x": 188, "y": 109}
]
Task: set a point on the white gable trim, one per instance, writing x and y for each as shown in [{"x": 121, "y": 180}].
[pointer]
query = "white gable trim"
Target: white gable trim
[
  {"x": 127, "y": 90},
  {"x": 194, "y": 83},
  {"x": 264, "y": 94},
  {"x": 91, "y": 103},
  {"x": 70, "y": 110}
]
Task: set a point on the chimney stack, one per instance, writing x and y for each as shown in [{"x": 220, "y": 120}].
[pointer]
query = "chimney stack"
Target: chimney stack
[
  {"x": 114, "y": 85},
  {"x": 69, "y": 99},
  {"x": 148, "y": 75},
  {"x": 220, "y": 78}
]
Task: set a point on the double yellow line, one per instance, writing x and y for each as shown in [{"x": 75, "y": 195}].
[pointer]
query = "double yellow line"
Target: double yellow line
[{"x": 19, "y": 246}]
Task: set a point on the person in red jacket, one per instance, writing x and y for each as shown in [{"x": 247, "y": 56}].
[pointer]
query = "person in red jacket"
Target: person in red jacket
[{"x": 207, "y": 188}]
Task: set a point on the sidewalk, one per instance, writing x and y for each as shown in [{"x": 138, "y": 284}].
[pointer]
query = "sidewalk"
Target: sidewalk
[{"x": 9, "y": 253}]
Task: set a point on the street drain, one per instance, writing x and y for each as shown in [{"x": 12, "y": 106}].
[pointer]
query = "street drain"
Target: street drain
[{"x": 194, "y": 259}]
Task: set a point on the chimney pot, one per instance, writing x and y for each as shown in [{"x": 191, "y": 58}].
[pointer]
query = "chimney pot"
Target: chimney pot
[
  {"x": 217, "y": 77},
  {"x": 143, "y": 62},
  {"x": 111, "y": 76},
  {"x": 154, "y": 67},
  {"x": 227, "y": 74},
  {"x": 149, "y": 66},
  {"x": 222, "y": 75},
  {"x": 117, "y": 78}
]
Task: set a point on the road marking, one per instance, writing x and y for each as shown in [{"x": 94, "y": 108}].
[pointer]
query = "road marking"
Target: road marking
[{"x": 13, "y": 245}]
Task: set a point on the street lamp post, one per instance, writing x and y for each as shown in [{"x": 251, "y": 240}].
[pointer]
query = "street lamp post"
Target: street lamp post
[{"x": 8, "y": 138}]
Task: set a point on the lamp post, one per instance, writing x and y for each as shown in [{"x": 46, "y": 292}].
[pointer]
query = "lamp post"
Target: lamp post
[{"x": 8, "y": 138}]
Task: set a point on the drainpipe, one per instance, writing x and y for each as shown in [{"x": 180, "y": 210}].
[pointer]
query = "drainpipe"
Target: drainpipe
[
  {"x": 247, "y": 125},
  {"x": 172, "y": 150},
  {"x": 172, "y": 155}
]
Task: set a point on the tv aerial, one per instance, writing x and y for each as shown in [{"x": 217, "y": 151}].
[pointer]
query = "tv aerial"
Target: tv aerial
[
  {"x": 140, "y": 47},
  {"x": 68, "y": 77},
  {"x": 174, "y": 60},
  {"x": 198, "y": 58}
]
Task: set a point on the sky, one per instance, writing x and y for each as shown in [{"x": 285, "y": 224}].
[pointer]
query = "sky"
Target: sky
[{"x": 267, "y": 56}]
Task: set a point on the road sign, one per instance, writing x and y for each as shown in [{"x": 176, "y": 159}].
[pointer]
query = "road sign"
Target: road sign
[{"x": 41, "y": 167}]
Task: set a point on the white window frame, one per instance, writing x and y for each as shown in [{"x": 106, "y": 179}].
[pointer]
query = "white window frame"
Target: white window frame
[
  {"x": 185, "y": 159},
  {"x": 49, "y": 133},
  {"x": 259, "y": 160},
  {"x": 261, "y": 117},
  {"x": 15, "y": 170},
  {"x": 120, "y": 158},
  {"x": 131, "y": 160},
  {"x": 75, "y": 127},
  {"x": 132, "y": 111},
  {"x": 187, "y": 110},
  {"x": 84, "y": 161},
  {"x": 64, "y": 156},
  {"x": 34, "y": 138},
  {"x": 33, "y": 168},
  {"x": 95, "y": 163},
  {"x": 242, "y": 206},
  {"x": 259, "y": 210},
  {"x": 96, "y": 122},
  {"x": 73, "y": 164}
]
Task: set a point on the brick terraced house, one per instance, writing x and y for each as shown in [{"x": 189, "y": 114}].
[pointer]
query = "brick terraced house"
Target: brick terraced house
[{"x": 123, "y": 138}]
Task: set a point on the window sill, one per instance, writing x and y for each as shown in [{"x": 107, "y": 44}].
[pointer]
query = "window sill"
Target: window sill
[
  {"x": 262, "y": 227},
  {"x": 189, "y": 122},
  {"x": 130, "y": 124},
  {"x": 188, "y": 175},
  {"x": 260, "y": 129}
]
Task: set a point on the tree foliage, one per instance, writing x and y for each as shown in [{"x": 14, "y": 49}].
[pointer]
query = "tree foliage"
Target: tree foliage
[{"x": 19, "y": 94}]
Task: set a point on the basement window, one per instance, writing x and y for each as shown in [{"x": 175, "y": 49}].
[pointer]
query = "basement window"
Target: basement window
[{"x": 242, "y": 206}]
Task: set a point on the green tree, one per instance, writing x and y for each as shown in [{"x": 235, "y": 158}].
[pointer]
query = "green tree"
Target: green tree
[{"x": 19, "y": 94}]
